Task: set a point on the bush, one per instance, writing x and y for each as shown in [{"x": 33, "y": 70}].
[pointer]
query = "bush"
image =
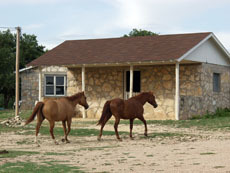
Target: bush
[{"x": 220, "y": 112}]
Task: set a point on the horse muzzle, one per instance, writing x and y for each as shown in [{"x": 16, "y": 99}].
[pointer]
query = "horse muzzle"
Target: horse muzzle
[
  {"x": 86, "y": 107},
  {"x": 155, "y": 105}
]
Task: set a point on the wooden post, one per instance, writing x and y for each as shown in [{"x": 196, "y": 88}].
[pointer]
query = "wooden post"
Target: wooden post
[
  {"x": 83, "y": 86},
  {"x": 177, "y": 93},
  {"x": 131, "y": 82},
  {"x": 17, "y": 72},
  {"x": 40, "y": 84}
]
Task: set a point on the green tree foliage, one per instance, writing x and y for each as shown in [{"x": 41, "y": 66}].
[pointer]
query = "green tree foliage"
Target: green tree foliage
[
  {"x": 29, "y": 50},
  {"x": 140, "y": 32}
]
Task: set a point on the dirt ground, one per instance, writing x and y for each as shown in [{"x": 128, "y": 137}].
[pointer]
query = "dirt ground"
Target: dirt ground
[{"x": 194, "y": 151}]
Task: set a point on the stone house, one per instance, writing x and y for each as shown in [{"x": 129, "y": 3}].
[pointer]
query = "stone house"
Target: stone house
[{"x": 188, "y": 73}]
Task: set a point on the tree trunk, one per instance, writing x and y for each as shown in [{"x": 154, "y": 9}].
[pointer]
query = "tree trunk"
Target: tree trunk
[{"x": 6, "y": 100}]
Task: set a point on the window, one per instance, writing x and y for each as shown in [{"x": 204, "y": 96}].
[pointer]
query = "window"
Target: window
[
  {"x": 55, "y": 85},
  {"x": 136, "y": 81},
  {"x": 216, "y": 82}
]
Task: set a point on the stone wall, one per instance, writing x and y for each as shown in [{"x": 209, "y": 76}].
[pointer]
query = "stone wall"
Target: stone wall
[
  {"x": 161, "y": 81},
  {"x": 213, "y": 100},
  {"x": 101, "y": 84},
  {"x": 29, "y": 88},
  {"x": 30, "y": 84},
  {"x": 191, "y": 90},
  {"x": 196, "y": 95},
  {"x": 105, "y": 83},
  {"x": 196, "y": 89}
]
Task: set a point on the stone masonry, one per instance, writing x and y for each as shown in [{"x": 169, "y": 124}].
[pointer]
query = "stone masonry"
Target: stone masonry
[
  {"x": 105, "y": 83},
  {"x": 30, "y": 84}
]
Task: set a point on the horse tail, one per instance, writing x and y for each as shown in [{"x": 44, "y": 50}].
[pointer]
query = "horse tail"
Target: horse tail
[
  {"x": 106, "y": 113},
  {"x": 37, "y": 109}
]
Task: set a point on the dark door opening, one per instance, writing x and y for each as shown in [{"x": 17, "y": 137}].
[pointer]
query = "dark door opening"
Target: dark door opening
[{"x": 136, "y": 81}]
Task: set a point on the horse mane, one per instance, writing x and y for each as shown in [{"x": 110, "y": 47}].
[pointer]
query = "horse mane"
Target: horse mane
[
  {"x": 74, "y": 97},
  {"x": 140, "y": 95}
]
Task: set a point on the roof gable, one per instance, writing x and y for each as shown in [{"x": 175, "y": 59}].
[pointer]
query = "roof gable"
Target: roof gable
[
  {"x": 209, "y": 52},
  {"x": 121, "y": 50}
]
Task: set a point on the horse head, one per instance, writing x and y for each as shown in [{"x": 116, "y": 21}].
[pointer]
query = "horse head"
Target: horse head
[
  {"x": 83, "y": 101},
  {"x": 152, "y": 100}
]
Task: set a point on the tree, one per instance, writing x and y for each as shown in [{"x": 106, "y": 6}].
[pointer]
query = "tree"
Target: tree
[
  {"x": 140, "y": 32},
  {"x": 29, "y": 50}
]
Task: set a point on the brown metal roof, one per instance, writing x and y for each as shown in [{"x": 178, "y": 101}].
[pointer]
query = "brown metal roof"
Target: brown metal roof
[{"x": 120, "y": 50}]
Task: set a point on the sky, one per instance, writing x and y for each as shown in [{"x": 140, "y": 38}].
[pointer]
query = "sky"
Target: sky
[{"x": 54, "y": 21}]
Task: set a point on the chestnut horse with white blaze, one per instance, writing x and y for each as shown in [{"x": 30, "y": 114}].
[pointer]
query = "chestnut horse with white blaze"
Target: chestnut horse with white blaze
[
  {"x": 126, "y": 109},
  {"x": 61, "y": 109}
]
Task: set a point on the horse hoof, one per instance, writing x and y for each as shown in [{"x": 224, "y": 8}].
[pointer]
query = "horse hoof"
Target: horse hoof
[
  {"x": 146, "y": 135},
  {"x": 63, "y": 140},
  {"x": 132, "y": 138},
  {"x": 99, "y": 139},
  {"x": 119, "y": 139},
  {"x": 67, "y": 141}
]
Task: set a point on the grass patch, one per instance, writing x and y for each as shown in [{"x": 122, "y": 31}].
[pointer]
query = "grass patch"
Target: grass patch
[
  {"x": 13, "y": 154},
  {"x": 24, "y": 142},
  {"x": 4, "y": 129},
  {"x": 217, "y": 167},
  {"x": 10, "y": 113},
  {"x": 196, "y": 163},
  {"x": 208, "y": 153},
  {"x": 21, "y": 167},
  {"x": 56, "y": 154},
  {"x": 96, "y": 148},
  {"x": 210, "y": 121},
  {"x": 58, "y": 131}
]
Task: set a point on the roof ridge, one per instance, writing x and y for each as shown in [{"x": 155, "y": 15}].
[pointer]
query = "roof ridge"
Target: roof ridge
[{"x": 110, "y": 38}]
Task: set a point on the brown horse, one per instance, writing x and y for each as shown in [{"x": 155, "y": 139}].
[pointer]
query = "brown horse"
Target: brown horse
[
  {"x": 126, "y": 109},
  {"x": 57, "y": 110}
]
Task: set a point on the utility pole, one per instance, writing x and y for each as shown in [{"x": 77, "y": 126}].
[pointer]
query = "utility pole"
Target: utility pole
[{"x": 17, "y": 72}]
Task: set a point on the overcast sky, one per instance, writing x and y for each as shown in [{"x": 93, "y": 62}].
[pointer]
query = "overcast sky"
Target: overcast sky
[{"x": 54, "y": 21}]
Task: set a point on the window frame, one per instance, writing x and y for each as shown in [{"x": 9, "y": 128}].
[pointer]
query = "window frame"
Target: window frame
[
  {"x": 55, "y": 85},
  {"x": 218, "y": 88}
]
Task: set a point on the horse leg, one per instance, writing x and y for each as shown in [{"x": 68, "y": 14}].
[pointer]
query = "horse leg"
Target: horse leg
[
  {"x": 64, "y": 128},
  {"x": 117, "y": 120},
  {"x": 143, "y": 120},
  {"x": 69, "y": 121},
  {"x": 39, "y": 123},
  {"x": 102, "y": 126},
  {"x": 52, "y": 123},
  {"x": 131, "y": 128}
]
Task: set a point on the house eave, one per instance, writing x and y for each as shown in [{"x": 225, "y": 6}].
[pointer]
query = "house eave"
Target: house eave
[{"x": 27, "y": 68}]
